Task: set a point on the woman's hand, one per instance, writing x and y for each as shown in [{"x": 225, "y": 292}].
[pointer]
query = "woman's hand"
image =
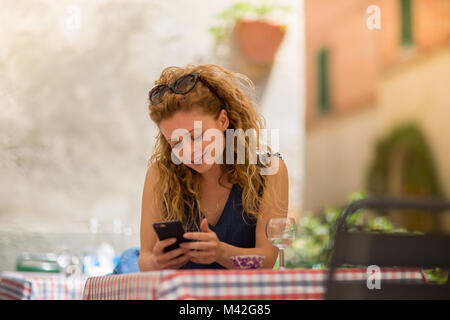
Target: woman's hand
[
  {"x": 206, "y": 249},
  {"x": 173, "y": 259}
]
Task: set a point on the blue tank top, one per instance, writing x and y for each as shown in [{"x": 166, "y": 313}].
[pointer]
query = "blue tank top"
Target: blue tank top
[{"x": 235, "y": 226}]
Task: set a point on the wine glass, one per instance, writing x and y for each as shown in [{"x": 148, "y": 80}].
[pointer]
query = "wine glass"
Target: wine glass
[{"x": 281, "y": 232}]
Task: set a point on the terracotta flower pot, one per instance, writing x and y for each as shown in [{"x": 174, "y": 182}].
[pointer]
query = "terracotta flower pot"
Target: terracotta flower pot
[{"x": 259, "y": 40}]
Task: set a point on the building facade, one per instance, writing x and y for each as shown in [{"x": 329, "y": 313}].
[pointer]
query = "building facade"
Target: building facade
[{"x": 362, "y": 82}]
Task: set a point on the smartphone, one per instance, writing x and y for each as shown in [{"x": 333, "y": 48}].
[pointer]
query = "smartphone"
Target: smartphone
[{"x": 170, "y": 229}]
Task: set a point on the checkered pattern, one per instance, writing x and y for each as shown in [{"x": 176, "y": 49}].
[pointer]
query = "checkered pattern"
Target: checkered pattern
[
  {"x": 130, "y": 286},
  {"x": 40, "y": 286},
  {"x": 229, "y": 284}
]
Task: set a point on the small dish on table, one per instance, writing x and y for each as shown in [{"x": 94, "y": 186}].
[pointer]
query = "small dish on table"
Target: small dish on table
[{"x": 248, "y": 261}]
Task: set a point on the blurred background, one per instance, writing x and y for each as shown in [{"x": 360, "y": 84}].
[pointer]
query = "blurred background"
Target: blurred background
[
  {"x": 75, "y": 135},
  {"x": 358, "y": 89},
  {"x": 376, "y": 116}
]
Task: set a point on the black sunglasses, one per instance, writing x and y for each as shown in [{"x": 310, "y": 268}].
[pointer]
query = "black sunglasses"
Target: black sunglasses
[{"x": 181, "y": 86}]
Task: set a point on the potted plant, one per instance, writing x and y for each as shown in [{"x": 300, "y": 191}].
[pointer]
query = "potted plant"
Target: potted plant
[
  {"x": 314, "y": 244},
  {"x": 258, "y": 34}
]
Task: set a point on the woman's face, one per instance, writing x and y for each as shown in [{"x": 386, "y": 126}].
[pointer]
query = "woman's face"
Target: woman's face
[{"x": 179, "y": 133}]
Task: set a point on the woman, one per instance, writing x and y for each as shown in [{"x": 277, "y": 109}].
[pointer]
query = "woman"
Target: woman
[{"x": 225, "y": 206}]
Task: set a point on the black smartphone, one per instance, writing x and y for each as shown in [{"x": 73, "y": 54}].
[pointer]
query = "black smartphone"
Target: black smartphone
[{"x": 170, "y": 229}]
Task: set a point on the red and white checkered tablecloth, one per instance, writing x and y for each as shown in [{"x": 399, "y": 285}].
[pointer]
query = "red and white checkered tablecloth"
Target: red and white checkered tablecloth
[
  {"x": 291, "y": 284},
  {"x": 130, "y": 286},
  {"x": 40, "y": 286}
]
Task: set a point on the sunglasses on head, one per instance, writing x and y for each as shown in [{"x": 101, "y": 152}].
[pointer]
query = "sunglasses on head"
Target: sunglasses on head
[{"x": 182, "y": 85}]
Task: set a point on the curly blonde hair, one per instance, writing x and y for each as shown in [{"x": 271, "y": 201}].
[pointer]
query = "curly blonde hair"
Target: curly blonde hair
[{"x": 179, "y": 185}]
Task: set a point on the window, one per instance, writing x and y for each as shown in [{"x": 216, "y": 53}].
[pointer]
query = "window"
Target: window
[
  {"x": 322, "y": 85},
  {"x": 406, "y": 22}
]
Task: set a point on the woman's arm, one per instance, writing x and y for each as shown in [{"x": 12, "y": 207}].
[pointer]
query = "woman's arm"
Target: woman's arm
[
  {"x": 149, "y": 211},
  {"x": 152, "y": 256},
  {"x": 274, "y": 204}
]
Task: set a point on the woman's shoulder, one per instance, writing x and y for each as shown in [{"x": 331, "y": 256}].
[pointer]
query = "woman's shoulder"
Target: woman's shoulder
[
  {"x": 152, "y": 175},
  {"x": 265, "y": 157},
  {"x": 269, "y": 168},
  {"x": 152, "y": 181}
]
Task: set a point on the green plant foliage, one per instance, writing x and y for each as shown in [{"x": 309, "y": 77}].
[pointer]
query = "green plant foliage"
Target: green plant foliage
[
  {"x": 242, "y": 10},
  {"x": 403, "y": 165},
  {"x": 418, "y": 175},
  {"x": 436, "y": 275},
  {"x": 314, "y": 243}
]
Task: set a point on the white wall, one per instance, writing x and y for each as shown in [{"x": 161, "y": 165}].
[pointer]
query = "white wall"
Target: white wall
[
  {"x": 338, "y": 151},
  {"x": 75, "y": 134}
]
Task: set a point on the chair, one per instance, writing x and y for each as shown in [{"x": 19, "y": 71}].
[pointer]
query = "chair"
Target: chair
[{"x": 389, "y": 250}]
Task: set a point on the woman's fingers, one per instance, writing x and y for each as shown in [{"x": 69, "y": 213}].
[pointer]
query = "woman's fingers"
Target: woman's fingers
[
  {"x": 178, "y": 262},
  {"x": 200, "y": 236},
  {"x": 199, "y": 245},
  {"x": 173, "y": 254},
  {"x": 171, "y": 258},
  {"x": 204, "y": 247},
  {"x": 167, "y": 257},
  {"x": 201, "y": 254},
  {"x": 160, "y": 245},
  {"x": 202, "y": 250},
  {"x": 206, "y": 260},
  {"x": 202, "y": 260}
]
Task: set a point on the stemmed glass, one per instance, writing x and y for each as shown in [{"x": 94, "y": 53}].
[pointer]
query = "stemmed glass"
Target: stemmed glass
[{"x": 281, "y": 232}]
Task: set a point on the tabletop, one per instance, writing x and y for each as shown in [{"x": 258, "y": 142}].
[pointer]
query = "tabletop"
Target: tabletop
[
  {"x": 261, "y": 284},
  {"x": 40, "y": 286}
]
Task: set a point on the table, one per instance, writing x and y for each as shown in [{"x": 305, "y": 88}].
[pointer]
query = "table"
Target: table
[
  {"x": 40, "y": 286},
  {"x": 291, "y": 284}
]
